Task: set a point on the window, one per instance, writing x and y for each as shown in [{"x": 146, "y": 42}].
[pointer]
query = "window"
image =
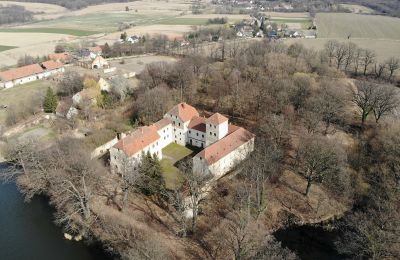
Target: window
[
  {"x": 215, "y": 134},
  {"x": 210, "y": 133},
  {"x": 190, "y": 132},
  {"x": 115, "y": 157},
  {"x": 201, "y": 158},
  {"x": 197, "y": 134},
  {"x": 179, "y": 124},
  {"x": 202, "y": 136}
]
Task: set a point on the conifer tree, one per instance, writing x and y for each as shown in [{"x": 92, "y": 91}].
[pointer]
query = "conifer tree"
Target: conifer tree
[
  {"x": 50, "y": 101},
  {"x": 152, "y": 181}
]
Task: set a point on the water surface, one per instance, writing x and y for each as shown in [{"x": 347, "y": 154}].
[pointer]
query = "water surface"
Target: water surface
[{"x": 27, "y": 231}]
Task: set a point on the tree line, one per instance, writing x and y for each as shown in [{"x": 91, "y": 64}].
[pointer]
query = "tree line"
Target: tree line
[{"x": 14, "y": 14}]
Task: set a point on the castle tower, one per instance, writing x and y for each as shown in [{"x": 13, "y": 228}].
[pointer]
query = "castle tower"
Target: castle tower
[{"x": 216, "y": 128}]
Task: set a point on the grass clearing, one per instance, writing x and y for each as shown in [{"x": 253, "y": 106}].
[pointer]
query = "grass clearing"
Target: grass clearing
[
  {"x": 21, "y": 95},
  {"x": 172, "y": 154},
  {"x": 6, "y": 48},
  {"x": 74, "y": 32}
]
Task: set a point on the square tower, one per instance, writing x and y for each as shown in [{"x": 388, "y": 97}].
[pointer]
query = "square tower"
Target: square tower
[{"x": 216, "y": 128}]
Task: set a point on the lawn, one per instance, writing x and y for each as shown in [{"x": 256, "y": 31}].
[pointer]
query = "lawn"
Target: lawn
[
  {"x": 75, "y": 32},
  {"x": 172, "y": 154},
  {"x": 21, "y": 95},
  {"x": 5, "y": 48}
]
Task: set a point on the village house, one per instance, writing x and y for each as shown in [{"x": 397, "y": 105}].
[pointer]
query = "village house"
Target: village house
[
  {"x": 93, "y": 63},
  {"x": 29, "y": 73},
  {"x": 225, "y": 145},
  {"x": 64, "y": 57}
]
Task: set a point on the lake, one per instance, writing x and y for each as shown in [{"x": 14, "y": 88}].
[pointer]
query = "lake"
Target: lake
[{"x": 27, "y": 231}]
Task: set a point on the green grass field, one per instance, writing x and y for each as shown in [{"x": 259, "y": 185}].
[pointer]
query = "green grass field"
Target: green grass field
[
  {"x": 74, "y": 32},
  {"x": 184, "y": 21},
  {"x": 340, "y": 25},
  {"x": 171, "y": 154},
  {"x": 101, "y": 22},
  {"x": 5, "y": 48},
  {"x": 21, "y": 95}
]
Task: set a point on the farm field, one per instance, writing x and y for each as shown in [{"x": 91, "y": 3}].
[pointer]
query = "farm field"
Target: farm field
[
  {"x": 42, "y": 11},
  {"x": 74, "y": 32},
  {"x": 6, "y": 48},
  {"x": 22, "y": 95},
  {"x": 378, "y": 33},
  {"x": 384, "y": 48},
  {"x": 358, "y": 9},
  {"x": 340, "y": 25}
]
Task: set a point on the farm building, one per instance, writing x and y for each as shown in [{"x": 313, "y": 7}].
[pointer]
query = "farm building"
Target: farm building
[
  {"x": 64, "y": 57},
  {"x": 52, "y": 67},
  {"x": 93, "y": 63},
  {"x": 29, "y": 73},
  {"x": 225, "y": 145}
]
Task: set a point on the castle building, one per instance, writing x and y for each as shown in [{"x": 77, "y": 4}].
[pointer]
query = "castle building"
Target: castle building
[{"x": 225, "y": 145}]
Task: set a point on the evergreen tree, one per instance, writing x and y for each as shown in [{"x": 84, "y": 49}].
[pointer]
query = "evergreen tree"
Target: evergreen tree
[
  {"x": 151, "y": 179},
  {"x": 50, "y": 101}
]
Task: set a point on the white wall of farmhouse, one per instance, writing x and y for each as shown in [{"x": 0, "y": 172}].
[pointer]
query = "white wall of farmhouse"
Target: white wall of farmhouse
[
  {"x": 120, "y": 161},
  {"x": 179, "y": 129},
  {"x": 196, "y": 138},
  {"x": 226, "y": 163},
  {"x": 165, "y": 136},
  {"x": 216, "y": 132}
]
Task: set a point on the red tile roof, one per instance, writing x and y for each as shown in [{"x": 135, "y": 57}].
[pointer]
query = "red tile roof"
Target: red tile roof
[
  {"x": 184, "y": 111},
  {"x": 52, "y": 65},
  {"x": 96, "y": 49},
  {"x": 198, "y": 123},
  {"x": 216, "y": 119},
  {"x": 162, "y": 123},
  {"x": 138, "y": 140},
  {"x": 225, "y": 146},
  {"x": 21, "y": 72},
  {"x": 59, "y": 56}
]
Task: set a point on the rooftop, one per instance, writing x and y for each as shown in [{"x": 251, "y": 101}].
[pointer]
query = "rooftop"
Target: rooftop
[
  {"x": 138, "y": 140},
  {"x": 184, "y": 111},
  {"x": 21, "y": 72},
  {"x": 216, "y": 119},
  {"x": 226, "y": 145},
  {"x": 162, "y": 123},
  {"x": 52, "y": 65},
  {"x": 198, "y": 123}
]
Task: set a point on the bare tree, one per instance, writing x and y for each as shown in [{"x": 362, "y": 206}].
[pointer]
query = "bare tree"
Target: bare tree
[
  {"x": 365, "y": 98},
  {"x": 367, "y": 59},
  {"x": 315, "y": 158},
  {"x": 195, "y": 182},
  {"x": 393, "y": 64},
  {"x": 379, "y": 69},
  {"x": 386, "y": 101}
]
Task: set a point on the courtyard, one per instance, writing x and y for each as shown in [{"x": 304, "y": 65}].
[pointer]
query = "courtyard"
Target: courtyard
[{"x": 172, "y": 154}]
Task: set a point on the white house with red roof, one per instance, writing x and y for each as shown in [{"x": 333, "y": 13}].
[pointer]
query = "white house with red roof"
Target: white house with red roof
[
  {"x": 225, "y": 145},
  {"x": 29, "y": 73}
]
